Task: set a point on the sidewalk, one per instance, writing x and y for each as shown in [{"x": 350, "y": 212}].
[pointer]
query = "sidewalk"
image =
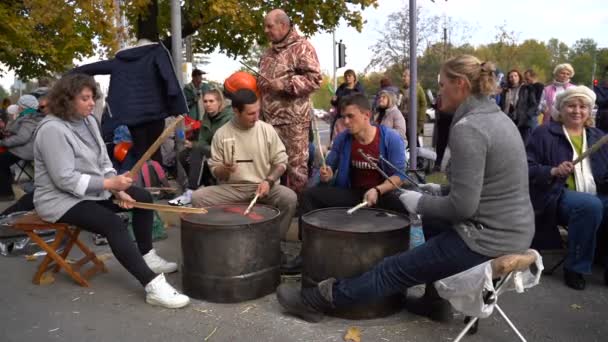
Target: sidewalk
[{"x": 113, "y": 309}]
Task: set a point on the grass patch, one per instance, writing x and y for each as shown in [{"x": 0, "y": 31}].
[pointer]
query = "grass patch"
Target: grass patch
[{"x": 437, "y": 177}]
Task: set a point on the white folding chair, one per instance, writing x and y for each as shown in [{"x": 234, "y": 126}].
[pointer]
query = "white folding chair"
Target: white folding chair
[{"x": 509, "y": 272}]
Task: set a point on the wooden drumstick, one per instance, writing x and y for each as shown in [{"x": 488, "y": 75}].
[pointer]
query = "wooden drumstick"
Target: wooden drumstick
[
  {"x": 357, "y": 207},
  {"x": 152, "y": 149},
  {"x": 166, "y": 208},
  {"x": 603, "y": 140},
  {"x": 316, "y": 131},
  {"x": 255, "y": 199}
]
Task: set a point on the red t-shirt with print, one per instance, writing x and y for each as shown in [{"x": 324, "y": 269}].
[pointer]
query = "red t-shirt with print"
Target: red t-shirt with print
[{"x": 363, "y": 175}]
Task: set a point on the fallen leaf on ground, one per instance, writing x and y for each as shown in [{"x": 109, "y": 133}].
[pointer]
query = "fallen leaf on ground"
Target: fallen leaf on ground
[
  {"x": 46, "y": 279},
  {"x": 201, "y": 310},
  {"x": 575, "y": 307},
  {"x": 30, "y": 257},
  {"x": 353, "y": 334},
  {"x": 53, "y": 329}
]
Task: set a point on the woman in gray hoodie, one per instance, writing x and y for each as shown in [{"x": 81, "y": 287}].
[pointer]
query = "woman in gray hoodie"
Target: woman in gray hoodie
[
  {"x": 485, "y": 212},
  {"x": 76, "y": 184}
]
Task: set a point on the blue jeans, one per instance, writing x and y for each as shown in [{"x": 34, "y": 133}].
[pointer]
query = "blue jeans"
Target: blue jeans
[
  {"x": 444, "y": 254},
  {"x": 583, "y": 214}
]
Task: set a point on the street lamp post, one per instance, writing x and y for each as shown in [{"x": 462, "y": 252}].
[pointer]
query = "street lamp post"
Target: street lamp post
[{"x": 413, "y": 81}]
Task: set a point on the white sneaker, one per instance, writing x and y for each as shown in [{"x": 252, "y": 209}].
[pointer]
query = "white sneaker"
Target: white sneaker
[
  {"x": 184, "y": 199},
  {"x": 159, "y": 292},
  {"x": 157, "y": 264}
]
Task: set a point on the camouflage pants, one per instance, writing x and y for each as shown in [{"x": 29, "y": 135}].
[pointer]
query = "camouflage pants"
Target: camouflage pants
[{"x": 295, "y": 139}]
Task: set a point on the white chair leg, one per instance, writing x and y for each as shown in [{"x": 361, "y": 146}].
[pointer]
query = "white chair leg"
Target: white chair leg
[
  {"x": 466, "y": 329},
  {"x": 502, "y": 313}
]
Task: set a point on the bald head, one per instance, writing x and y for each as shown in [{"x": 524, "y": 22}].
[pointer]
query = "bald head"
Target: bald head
[{"x": 276, "y": 25}]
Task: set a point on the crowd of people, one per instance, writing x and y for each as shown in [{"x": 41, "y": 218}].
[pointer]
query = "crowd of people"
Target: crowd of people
[{"x": 513, "y": 170}]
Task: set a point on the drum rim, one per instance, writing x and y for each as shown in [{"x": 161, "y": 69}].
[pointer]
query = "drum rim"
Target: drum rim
[
  {"x": 331, "y": 229},
  {"x": 277, "y": 213}
]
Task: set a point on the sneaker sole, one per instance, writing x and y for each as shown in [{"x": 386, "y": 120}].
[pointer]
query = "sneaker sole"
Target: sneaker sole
[
  {"x": 166, "y": 271},
  {"x": 155, "y": 302}
]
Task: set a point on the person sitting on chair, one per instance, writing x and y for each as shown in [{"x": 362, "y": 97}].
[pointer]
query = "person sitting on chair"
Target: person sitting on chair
[
  {"x": 356, "y": 179},
  {"x": 563, "y": 193},
  {"x": 216, "y": 115},
  {"x": 19, "y": 142},
  {"x": 485, "y": 213},
  {"x": 248, "y": 158},
  {"x": 76, "y": 184}
]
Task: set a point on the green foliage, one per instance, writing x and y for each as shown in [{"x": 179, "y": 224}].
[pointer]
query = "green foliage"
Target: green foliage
[
  {"x": 3, "y": 92},
  {"x": 40, "y": 37},
  {"x": 322, "y": 97}
]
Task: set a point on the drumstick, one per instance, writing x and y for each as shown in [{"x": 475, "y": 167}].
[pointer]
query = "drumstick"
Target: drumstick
[
  {"x": 603, "y": 140},
  {"x": 316, "y": 131},
  {"x": 255, "y": 199},
  {"x": 410, "y": 179},
  {"x": 152, "y": 149},
  {"x": 254, "y": 71},
  {"x": 357, "y": 207},
  {"x": 167, "y": 208},
  {"x": 152, "y": 188},
  {"x": 375, "y": 166}
]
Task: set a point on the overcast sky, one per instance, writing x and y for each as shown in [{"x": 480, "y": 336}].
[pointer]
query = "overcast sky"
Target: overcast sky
[{"x": 567, "y": 20}]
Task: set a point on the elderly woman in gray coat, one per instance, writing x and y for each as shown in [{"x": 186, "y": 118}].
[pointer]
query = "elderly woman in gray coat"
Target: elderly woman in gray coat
[
  {"x": 19, "y": 142},
  {"x": 76, "y": 184},
  {"x": 387, "y": 114}
]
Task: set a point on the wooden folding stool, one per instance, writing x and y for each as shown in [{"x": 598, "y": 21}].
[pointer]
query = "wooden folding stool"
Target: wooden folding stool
[{"x": 31, "y": 224}]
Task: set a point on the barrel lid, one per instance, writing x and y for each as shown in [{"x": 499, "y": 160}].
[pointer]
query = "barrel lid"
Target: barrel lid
[
  {"x": 365, "y": 220},
  {"x": 232, "y": 215}
]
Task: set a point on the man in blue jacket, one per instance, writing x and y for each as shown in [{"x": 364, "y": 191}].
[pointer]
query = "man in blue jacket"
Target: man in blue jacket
[{"x": 355, "y": 180}]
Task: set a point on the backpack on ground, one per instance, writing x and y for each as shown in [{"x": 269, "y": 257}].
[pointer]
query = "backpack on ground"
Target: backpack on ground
[{"x": 152, "y": 175}]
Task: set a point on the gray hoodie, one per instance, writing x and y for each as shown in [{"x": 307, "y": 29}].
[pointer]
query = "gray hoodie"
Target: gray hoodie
[
  {"x": 69, "y": 166},
  {"x": 488, "y": 179}
]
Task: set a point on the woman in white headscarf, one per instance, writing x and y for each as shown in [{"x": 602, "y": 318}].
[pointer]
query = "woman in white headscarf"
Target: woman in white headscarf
[{"x": 561, "y": 81}]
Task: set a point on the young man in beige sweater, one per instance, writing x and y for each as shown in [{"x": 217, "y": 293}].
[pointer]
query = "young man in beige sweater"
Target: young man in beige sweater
[{"x": 248, "y": 158}]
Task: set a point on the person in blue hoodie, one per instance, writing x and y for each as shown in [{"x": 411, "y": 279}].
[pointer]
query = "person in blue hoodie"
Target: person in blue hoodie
[
  {"x": 143, "y": 92},
  {"x": 355, "y": 180}
]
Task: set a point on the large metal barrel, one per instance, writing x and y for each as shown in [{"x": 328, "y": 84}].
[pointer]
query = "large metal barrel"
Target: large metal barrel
[
  {"x": 228, "y": 257},
  {"x": 335, "y": 244}
]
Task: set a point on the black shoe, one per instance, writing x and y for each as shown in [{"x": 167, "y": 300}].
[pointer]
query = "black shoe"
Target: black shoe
[
  {"x": 574, "y": 280},
  {"x": 310, "y": 304},
  {"x": 293, "y": 266},
  {"x": 7, "y": 198},
  {"x": 431, "y": 305}
]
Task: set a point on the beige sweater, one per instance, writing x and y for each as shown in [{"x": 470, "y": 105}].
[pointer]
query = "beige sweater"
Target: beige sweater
[{"x": 256, "y": 151}]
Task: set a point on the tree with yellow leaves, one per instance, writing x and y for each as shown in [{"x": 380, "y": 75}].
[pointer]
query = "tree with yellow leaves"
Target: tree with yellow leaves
[{"x": 38, "y": 37}]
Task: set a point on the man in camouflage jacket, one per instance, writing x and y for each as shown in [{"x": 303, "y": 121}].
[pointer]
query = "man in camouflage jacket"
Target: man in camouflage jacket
[{"x": 290, "y": 73}]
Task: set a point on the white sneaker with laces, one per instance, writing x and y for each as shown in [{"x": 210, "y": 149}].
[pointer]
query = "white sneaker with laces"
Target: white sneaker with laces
[
  {"x": 157, "y": 264},
  {"x": 184, "y": 199},
  {"x": 161, "y": 293}
]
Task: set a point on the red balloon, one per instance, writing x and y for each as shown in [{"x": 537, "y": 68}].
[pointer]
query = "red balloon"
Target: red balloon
[
  {"x": 121, "y": 149},
  {"x": 240, "y": 80}
]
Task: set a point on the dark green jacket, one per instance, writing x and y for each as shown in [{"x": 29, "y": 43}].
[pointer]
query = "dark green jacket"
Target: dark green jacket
[
  {"x": 209, "y": 126},
  {"x": 192, "y": 98}
]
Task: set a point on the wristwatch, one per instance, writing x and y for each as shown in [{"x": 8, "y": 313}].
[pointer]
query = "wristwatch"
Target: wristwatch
[
  {"x": 270, "y": 181},
  {"x": 378, "y": 191}
]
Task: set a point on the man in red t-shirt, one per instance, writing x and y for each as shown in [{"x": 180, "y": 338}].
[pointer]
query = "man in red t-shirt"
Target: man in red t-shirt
[{"x": 355, "y": 179}]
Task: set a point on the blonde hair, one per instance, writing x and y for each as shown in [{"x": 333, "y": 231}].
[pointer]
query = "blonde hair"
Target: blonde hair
[
  {"x": 562, "y": 66},
  {"x": 588, "y": 123},
  {"x": 218, "y": 96},
  {"x": 390, "y": 96},
  {"x": 481, "y": 77}
]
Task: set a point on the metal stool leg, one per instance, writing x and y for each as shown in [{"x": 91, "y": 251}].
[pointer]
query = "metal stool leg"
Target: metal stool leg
[
  {"x": 502, "y": 313},
  {"x": 466, "y": 329}
]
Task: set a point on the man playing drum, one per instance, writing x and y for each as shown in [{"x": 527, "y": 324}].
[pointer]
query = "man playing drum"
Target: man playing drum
[
  {"x": 247, "y": 158},
  {"x": 355, "y": 179}
]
